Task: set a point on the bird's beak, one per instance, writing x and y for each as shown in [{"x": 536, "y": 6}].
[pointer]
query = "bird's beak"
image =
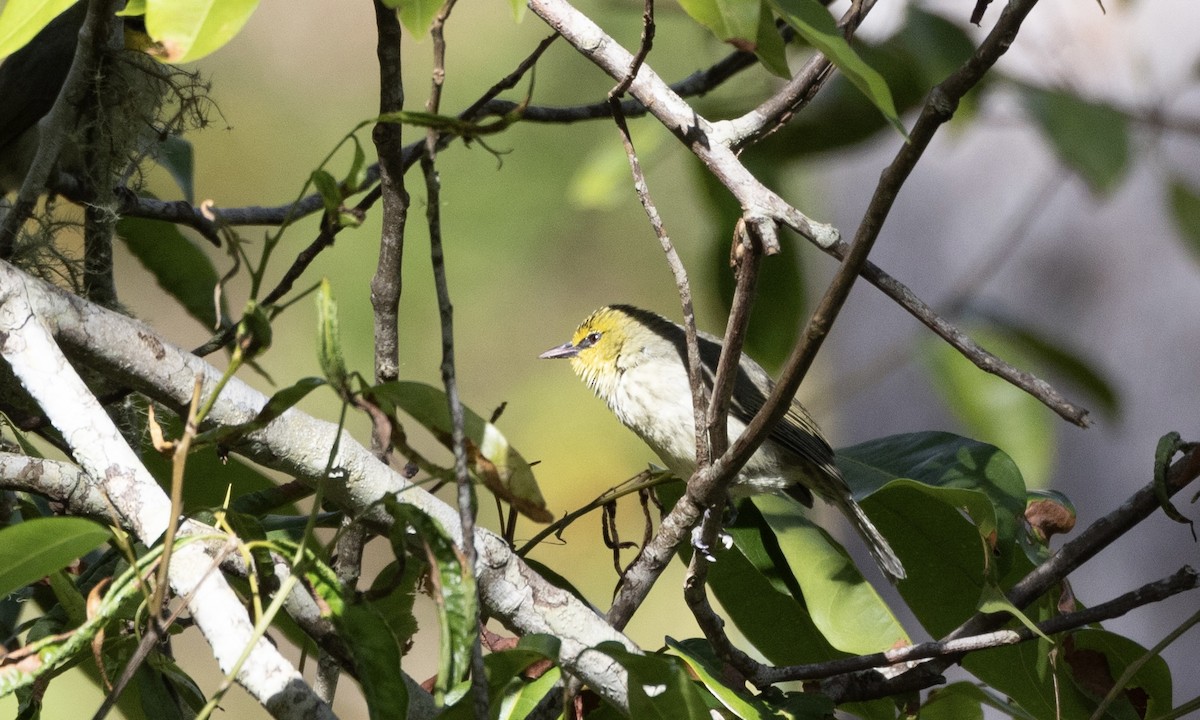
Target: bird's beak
[{"x": 566, "y": 350}]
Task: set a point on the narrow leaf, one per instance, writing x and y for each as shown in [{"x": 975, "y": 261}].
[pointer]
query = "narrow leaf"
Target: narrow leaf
[
  {"x": 453, "y": 589},
  {"x": 812, "y": 21},
  {"x": 333, "y": 362},
  {"x": 495, "y": 462}
]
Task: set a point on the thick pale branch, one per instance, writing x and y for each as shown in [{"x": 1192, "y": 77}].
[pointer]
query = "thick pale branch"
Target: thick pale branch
[
  {"x": 136, "y": 499},
  {"x": 297, "y": 444},
  {"x": 676, "y": 115}
]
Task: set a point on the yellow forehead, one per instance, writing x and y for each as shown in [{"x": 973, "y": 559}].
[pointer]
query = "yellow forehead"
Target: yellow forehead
[{"x": 605, "y": 321}]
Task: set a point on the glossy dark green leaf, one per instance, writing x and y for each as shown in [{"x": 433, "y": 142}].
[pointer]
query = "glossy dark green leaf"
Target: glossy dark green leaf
[
  {"x": 1185, "y": 209},
  {"x": 812, "y": 21},
  {"x": 181, "y": 269},
  {"x": 659, "y": 686},
  {"x": 752, "y": 585},
  {"x": 35, "y": 548},
  {"x": 492, "y": 459},
  {"x": 919, "y": 486},
  {"x": 1090, "y": 138}
]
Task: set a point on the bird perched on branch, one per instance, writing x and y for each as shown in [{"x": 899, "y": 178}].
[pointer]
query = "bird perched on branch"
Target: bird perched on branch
[{"x": 635, "y": 361}]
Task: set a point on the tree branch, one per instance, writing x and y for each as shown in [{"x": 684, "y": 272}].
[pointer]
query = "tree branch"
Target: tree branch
[
  {"x": 138, "y": 502},
  {"x": 1050, "y": 573}
]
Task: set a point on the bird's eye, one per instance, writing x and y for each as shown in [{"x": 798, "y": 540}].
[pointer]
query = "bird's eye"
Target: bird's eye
[{"x": 589, "y": 340}]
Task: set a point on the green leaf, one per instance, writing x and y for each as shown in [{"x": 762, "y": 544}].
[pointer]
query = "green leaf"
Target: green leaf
[
  {"x": 659, "y": 687},
  {"x": 957, "y": 701},
  {"x": 491, "y": 458},
  {"x": 417, "y": 15},
  {"x": 1148, "y": 693},
  {"x": 733, "y": 21},
  {"x": 453, "y": 589},
  {"x": 704, "y": 665},
  {"x": 38, "y": 547},
  {"x": 370, "y": 639},
  {"x": 512, "y": 695},
  {"x": 779, "y": 626},
  {"x": 357, "y": 174},
  {"x": 769, "y": 47},
  {"x": 993, "y": 600},
  {"x": 922, "y": 485},
  {"x": 177, "y": 157},
  {"x": 813, "y": 22},
  {"x": 21, "y": 20},
  {"x": 254, "y": 334},
  {"x": 333, "y": 362},
  {"x": 993, "y": 410},
  {"x": 180, "y": 268},
  {"x": 1185, "y": 209},
  {"x": 844, "y": 606},
  {"x": 1029, "y": 345},
  {"x": 1090, "y": 138},
  {"x": 327, "y": 187},
  {"x": 919, "y": 55},
  {"x": 188, "y": 31}
]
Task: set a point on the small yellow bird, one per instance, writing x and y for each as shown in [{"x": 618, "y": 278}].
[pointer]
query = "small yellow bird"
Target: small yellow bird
[{"x": 635, "y": 361}]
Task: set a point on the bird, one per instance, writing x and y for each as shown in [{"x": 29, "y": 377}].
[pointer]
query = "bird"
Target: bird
[{"x": 635, "y": 361}]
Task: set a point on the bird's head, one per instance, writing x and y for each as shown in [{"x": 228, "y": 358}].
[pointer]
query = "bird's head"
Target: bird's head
[{"x": 612, "y": 340}]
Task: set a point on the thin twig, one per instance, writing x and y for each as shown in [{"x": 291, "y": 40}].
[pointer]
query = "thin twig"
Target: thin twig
[
  {"x": 1183, "y": 580},
  {"x": 466, "y": 492}
]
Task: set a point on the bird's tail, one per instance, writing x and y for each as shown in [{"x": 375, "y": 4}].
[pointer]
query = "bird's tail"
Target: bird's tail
[{"x": 876, "y": 543}]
